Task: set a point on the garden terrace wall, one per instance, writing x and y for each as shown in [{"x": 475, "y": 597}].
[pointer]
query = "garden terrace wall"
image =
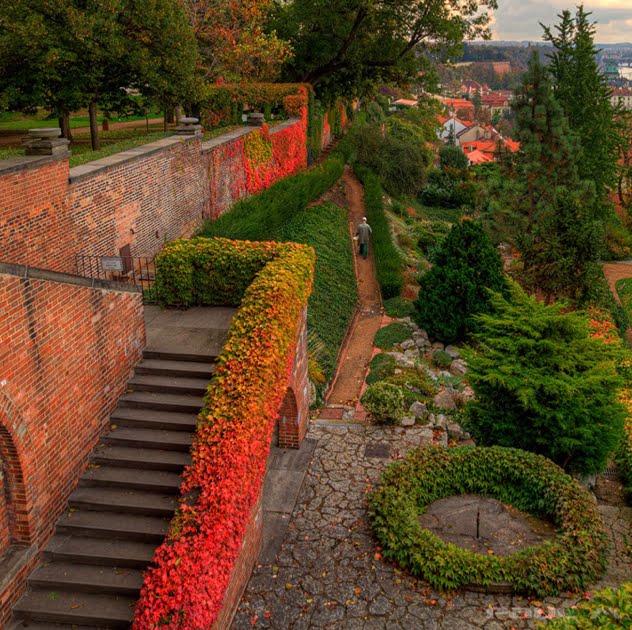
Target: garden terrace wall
[
  {"x": 198, "y": 572},
  {"x": 67, "y": 348},
  {"x": 140, "y": 198}
]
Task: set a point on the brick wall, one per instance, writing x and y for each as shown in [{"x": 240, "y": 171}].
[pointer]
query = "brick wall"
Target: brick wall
[
  {"x": 66, "y": 353},
  {"x": 294, "y": 412},
  {"x": 250, "y": 548},
  {"x": 141, "y": 198}
]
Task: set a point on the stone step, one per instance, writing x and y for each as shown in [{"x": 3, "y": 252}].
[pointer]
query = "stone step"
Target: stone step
[
  {"x": 149, "y": 438},
  {"x": 154, "y": 419},
  {"x": 83, "y": 578},
  {"x": 76, "y": 608},
  {"x": 179, "y": 356},
  {"x": 162, "y": 367},
  {"x": 131, "y": 479},
  {"x": 123, "y": 501},
  {"x": 168, "y": 384},
  {"x": 147, "y": 529},
  {"x": 100, "y": 551},
  {"x": 162, "y": 402},
  {"x": 36, "y": 625},
  {"x": 145, "y": 458}
]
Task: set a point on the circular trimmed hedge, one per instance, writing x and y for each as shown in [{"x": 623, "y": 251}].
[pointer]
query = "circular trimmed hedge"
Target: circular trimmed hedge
[{"x": 576, "y": 557}]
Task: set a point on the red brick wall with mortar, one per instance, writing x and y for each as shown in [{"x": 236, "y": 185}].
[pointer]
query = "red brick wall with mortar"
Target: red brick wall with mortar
[
  {"x": 250, "y": 548},
  {"x": 164, "y": 190},
  {"x": 294, "y": 413},
  {"x": 66, "y": 353}
]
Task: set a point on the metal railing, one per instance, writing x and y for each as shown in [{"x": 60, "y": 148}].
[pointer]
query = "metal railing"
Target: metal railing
[{"x": 137, "y": 270}]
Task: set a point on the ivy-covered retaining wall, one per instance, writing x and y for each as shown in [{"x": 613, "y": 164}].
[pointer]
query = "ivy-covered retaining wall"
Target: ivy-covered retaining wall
[{"x": 192, "y": 570}]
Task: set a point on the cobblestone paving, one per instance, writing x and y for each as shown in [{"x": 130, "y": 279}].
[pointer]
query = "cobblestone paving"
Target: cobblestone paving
[{"x": 327, "y": 574}]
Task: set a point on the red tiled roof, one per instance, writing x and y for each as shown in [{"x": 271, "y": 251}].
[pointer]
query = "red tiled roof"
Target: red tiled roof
[{"x": 476, "y": 157}]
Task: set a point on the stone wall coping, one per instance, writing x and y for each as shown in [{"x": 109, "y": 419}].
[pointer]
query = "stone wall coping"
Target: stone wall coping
[
  {"x": 89, "y": 169},
  {"x": 24, "y": 162},
  {"x": 240, "y": 132},
  {"x": 35, "y": 273},
  {"x": 97, "y": 166}
]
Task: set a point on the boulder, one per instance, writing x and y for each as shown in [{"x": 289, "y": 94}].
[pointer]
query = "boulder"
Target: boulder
[
  {"x": 408, "y": 421},
  {"x": 409, "y": 343},
  {"x": 467, "y": 394},
  {"x": 418, "y": 409},
  {"x": 437, "y": 345},
  {"x": 458, "y": 367},
  {"x": 412, "y": 353},
  {"x": 444, "y": 400},
  {"x": 453, "y": 351}
]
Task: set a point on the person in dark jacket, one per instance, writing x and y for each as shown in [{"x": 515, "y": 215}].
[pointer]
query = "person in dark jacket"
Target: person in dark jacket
[{"x": 363, "y": 234}]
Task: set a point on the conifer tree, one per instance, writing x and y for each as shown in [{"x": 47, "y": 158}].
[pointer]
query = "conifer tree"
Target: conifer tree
[
  {"x": 457, "y": 287},
  {"x": 545, "y": 172},
  {"x": 584, "y": 94},
  {"x": 543, "y": 384}
]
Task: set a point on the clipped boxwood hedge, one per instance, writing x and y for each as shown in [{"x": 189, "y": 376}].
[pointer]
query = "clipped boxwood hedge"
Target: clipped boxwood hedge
[{"x": 573, "y": 559}]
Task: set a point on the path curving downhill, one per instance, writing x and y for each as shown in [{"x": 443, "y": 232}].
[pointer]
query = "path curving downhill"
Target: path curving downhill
[{"x": 358, "y": 350}]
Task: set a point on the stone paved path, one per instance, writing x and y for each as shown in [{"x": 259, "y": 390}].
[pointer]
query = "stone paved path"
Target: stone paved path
[{"x": 327, "y": 574}]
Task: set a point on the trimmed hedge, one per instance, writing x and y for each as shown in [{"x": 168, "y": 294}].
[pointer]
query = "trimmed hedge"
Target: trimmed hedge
[
  {"x": 388, "y": 260},
  {"x": 187, "y": 581},
  {"x": 333, "y": 302},
  {"x": 576, "y": 557},
  {"x": 262, "y": 217}
]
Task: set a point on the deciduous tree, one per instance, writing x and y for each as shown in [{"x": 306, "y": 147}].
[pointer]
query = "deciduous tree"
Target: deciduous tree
[{"x": 348, "y": 47}]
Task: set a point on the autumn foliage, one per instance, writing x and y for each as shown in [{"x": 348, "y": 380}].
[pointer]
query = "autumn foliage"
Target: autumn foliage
[
  {"x": 232, "y": 40},
  {"x": 186, "y": 585}
]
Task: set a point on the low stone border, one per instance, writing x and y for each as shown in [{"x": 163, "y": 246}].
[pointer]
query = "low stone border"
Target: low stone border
[{"x": 576, "y": 557}]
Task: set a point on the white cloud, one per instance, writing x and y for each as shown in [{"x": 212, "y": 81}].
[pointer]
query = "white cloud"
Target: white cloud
[{"x": 519, "y": 19}]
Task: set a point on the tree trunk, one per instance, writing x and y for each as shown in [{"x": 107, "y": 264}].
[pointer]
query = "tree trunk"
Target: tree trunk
[
  {"x": 178, "y": 113},
  {"x": 94, "y": 127},
  {"x": 164, "y": 121},
  {"x": 64, "y": 125}
]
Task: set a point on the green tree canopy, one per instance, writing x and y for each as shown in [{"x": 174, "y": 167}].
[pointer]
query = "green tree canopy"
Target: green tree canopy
[
  {"x": 584, "y": 95},
  {"x": 348, "y": 47},
  {"x": 457, "y": 286},
  {"x": 543, "y": 384}
]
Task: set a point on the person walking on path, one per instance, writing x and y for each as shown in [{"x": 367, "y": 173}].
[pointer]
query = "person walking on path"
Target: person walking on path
[{"x": 363, "y": 234}]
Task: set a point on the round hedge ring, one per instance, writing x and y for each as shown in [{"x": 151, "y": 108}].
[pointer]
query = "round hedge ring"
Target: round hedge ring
[{"x": 571, "y": 561}]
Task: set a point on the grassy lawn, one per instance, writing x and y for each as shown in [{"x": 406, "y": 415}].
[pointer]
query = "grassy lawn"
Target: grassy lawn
[
  {"x": 20, "y": 122},
  {"x": 450, "y": 215},
  {"x": 624, "y": 290},
  {"x": 112, "y": 142}
]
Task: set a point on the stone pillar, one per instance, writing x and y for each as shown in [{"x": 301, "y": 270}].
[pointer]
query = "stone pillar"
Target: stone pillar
[
  {"x": 255, "y": 119},
  {"x": 46, "y": 141},
  {"x": 188, "y": 127}
]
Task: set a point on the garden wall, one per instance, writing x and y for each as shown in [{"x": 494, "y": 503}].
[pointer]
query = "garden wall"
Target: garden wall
[
  {"x": 140, "y": 198},
  {"x": 67, "y": 349}
]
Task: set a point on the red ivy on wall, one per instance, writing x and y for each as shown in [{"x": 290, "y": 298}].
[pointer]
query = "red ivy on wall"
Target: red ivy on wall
[{"x": 186, "y": 586}]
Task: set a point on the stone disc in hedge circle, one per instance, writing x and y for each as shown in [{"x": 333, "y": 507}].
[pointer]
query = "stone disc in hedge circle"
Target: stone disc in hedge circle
[{"x": 571, "y": 561}]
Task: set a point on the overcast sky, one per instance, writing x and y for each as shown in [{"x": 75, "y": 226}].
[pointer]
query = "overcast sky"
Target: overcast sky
[{"x": 519, "y": 19}]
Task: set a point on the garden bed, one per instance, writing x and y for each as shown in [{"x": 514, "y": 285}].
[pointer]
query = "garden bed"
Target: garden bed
[{"x": 571, "y": 561}]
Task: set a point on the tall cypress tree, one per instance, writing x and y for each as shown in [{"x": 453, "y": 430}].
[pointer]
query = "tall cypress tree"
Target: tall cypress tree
[
  {"x": 583, "y": 92},
  {"x": 552, "y": 207}
]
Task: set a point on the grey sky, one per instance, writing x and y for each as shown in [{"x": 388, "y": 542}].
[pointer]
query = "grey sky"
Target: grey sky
[{"x": 519, "y": 19}]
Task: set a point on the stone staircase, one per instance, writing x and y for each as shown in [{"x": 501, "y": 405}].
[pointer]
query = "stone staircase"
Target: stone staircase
[{"x": 93, "y": 566}]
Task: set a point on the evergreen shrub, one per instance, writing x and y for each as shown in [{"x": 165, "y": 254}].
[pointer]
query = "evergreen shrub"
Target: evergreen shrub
[
  {"x": 544, "y": 384},
  {"x": 381, "y": 367},
  {"x": 399, "y": 307},
  {"x": 391, "y": 335},
  {"x": 457, "y": 287},
  {"x": 385, "y": 402},
  {"x": 572, "y": 560}
]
